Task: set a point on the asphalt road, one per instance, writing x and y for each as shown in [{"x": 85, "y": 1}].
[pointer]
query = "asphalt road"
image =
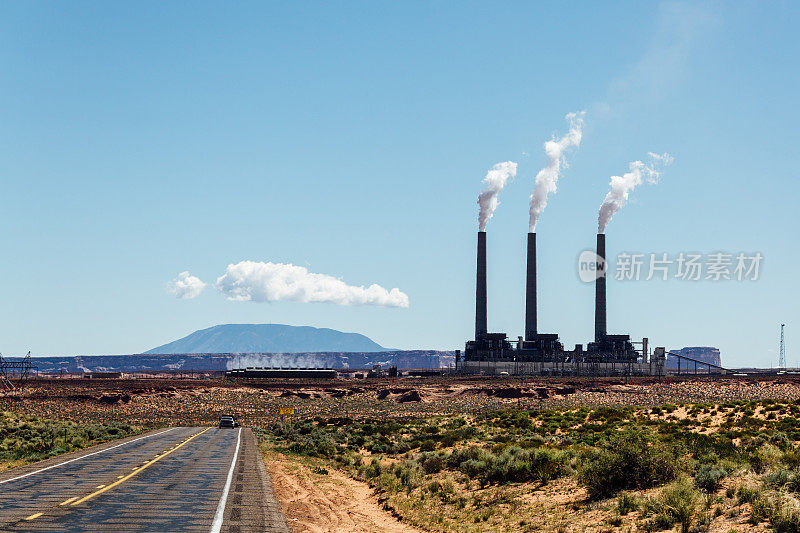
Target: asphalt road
[{"x": 179, "y": 479}]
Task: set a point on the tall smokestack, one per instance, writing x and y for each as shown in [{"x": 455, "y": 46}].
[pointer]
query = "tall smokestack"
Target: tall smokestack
[
  {"x": 600, "y": 290},
  {"x": 530, "y": 290},
  {"x": 480, "y": 288}
]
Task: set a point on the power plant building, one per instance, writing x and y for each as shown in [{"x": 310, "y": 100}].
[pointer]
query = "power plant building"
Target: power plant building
[{"x": 543, "y": 353}]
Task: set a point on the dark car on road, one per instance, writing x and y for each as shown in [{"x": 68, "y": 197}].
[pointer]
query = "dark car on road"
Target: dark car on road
[{"x": 228, "y": 422}]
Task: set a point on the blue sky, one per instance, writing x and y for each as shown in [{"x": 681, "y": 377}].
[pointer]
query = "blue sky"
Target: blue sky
[{"x": 141, "y": 140}]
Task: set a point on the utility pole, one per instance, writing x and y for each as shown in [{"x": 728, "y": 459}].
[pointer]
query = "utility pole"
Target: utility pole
[{"x": 782, "y": 356}]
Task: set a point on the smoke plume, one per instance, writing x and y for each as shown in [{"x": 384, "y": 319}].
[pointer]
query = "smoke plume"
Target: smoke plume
[
  {"x": 276, "y": 360},
  {"x": 547, "y": 178},
  {"x": 185, "y": 286},
  {"x": 252, "y": 281},
  {"x": 621, "y": 186},
  {"x": 495, "y": 180}
]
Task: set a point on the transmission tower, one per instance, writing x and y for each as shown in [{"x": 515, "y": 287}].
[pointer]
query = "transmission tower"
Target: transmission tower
[
  {"x": 14, "y": 374},
  {"x": 782, "y": 356}
]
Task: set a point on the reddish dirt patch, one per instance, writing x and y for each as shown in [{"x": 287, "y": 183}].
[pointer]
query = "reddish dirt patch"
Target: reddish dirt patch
[{"x": 329, "y": 502}]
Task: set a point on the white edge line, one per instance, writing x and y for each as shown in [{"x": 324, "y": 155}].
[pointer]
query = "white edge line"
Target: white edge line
[
  {"x": 216, "y": 525},
  {"x": 83, "y": 457}
]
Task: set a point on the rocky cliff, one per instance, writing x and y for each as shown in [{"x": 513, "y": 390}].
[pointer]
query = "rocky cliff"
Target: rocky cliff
[
  {"x": 707, "y": 354},
  {"x": 225, "y": 361}
]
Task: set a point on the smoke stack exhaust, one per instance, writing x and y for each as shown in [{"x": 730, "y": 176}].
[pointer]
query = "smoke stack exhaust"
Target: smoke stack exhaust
[
  {"x": 600, "y": 290},
  {"x": 480, "y": 288},
  {"x": 530, "y": 290}
]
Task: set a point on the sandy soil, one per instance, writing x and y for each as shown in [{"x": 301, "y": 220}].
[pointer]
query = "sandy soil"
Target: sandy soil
[
  {"x": 10, "y": 464},
  {"x": 328, "y": 502}
]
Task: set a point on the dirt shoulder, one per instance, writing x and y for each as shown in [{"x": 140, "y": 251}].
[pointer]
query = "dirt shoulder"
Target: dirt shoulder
[{"x": 332, "y": 502}]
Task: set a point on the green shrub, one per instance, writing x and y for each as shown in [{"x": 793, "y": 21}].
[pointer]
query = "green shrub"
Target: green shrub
[
  {"x": 780, "y": 509},
  {"x": 629, "y": 461},
  {"x": 627, "y": 502},
  {"x": 30, "y": 438},
  {"x": 373, "y": 470},
  {"x": 456, "y": 423},
  {"x": 432, "y": 464},
  {"x": 427, "y": 445},
  {"x": 778, "y": 478},
  {"x": 780, "y": 440},
  {"x": 474, "y": 468},
  {"x": 386, "y": 482},
  {"x": 709, "y": 477},
  {"x": 513, "y": 419},
  {"x": 663, "y": 521},
  {"x": 767, "y": 457},
  {"x": 680, "y": 501},
  {"x": 791, "y": 458},
  {"x": 610, "y": 414},
  {"x": 512, "y": 465},
  {"x": 314, "y": 443},
  {"x": 455, "y": 436},
  {"x": 434, "y": 487},
  {"x": 785, "y": 515},
  {"x": 457, "y": 457},
  {"x": 408, "y": 475},
  {"x": 748, "y": 494}
]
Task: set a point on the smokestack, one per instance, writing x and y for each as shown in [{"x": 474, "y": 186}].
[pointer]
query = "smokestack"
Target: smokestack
[
  {"x": 530, "y": 290},
  {"x": 480, "y": 288},
  {"x": 600, "y": 290}
]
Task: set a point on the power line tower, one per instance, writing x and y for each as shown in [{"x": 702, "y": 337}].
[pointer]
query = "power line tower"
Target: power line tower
[
  {"x": 13, "y": 374},
  {"x": 782, "y": 356}
]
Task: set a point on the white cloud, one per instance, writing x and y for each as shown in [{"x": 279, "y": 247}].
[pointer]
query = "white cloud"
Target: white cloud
[
  {"x": 185, "y": 286},
  {"x": 252, "y": 281}
]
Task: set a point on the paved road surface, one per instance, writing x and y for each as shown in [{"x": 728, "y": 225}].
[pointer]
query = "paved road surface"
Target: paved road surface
[{"x": 174, "y": 480}]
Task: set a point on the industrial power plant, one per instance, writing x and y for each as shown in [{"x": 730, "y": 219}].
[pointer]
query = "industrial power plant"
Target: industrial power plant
[
  {"x": 538, "y": 353},
  {"x": 543, "y": 353}
]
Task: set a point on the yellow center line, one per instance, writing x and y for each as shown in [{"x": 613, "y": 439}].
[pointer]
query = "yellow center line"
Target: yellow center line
[
  {"x": 135, "y": 471},
  {"x": 34, "y": 516},
  {"x": 69, "y": 500}
]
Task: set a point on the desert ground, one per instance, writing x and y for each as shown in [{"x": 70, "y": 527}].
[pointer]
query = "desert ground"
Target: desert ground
[{"x": 468, "y": 454}]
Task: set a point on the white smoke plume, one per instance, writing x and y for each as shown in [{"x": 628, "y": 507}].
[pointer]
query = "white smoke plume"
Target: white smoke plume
[
  {"x": 621, "y": 186},
  {"x": 495, "y": 180},
  {"x": 275, "y": 360},
  {"x": 185, "y": 286},
  {"x": 547, "y": 178},
  {"x": 252, "y": 281}
]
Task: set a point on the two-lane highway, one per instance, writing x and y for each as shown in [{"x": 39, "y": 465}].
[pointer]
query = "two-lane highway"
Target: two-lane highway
[{"x": 180, "y": 479}]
